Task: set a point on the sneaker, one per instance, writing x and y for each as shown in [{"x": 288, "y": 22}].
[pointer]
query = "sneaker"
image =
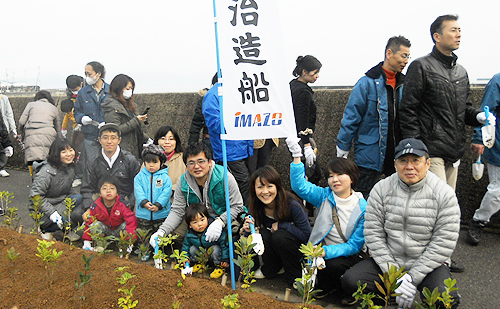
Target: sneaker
[
  {"x": 47, "y": 236},
  {"x": 4, "y": 173},
  {"x": 475, "y": 230},
  {"x": 217, "y": 273},
  {"x": 456, "y": 267},
  {"x": 72, "y": 236},
  {"x": 258, "y": 274},
  {"x": 76, "y": 183}
]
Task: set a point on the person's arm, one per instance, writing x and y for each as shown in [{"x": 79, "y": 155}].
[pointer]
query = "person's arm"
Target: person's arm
[
  {"x": 235, "y": 200},
  {"x": 375, "y": 235},
  {"x": 491, "y": 98},
  {"x": 78, "y": 108},
  {"x": 411, "y": 101},
  {"x": 40, "y": 186},
  {"x": 211, "y": 112},
  {"x": 9, "y": 114},
  {"x": 89, "y": 185},
  {"x": 141, "y": 197},
  {"x": 197, "y": 123},
  {"x": 306, "y": 190},
  {"x": 130, "y": 220},
  {"x": 444, "y": 235},
  {"x": 110, "y": 115},
  {"x": 186, "y": 246},
  {"x": 354, "y": 113},
  {"x": 300, "y": 226},
  {"x": 177, "y": 212},
  {"x": 24, "y": 117},
  {"x": 224, "y": 248}
]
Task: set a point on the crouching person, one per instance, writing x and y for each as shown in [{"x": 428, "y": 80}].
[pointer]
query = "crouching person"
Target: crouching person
[
  {"x": 109, "y": 214},
  {"x": 412, "y": 221},
  {"x": 198, "y": 220}
]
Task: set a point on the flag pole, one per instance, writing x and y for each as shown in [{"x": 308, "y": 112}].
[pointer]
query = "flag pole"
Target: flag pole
[{"x": 224, "y": 155}]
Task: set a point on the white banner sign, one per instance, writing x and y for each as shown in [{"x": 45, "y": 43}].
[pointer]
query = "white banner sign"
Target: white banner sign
[{"x": 256, "y": 93}]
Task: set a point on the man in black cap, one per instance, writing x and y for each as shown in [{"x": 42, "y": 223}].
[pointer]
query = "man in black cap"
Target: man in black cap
[
  {"x": 412, "y": 220},
  {"x": 111, "y": 161}
]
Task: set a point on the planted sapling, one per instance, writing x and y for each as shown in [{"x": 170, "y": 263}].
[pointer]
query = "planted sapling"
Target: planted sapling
[
  {"x": 84, "y": 276},
  {"x": 127, "y": 301},
  {"x": 48, "y": 256},
  {"x": 100, "y": 241},
  {"x": 36, "y": 214},
  {"x": 6, "y": 198},
  {"x": 10, "y": 217},
  {"x": 305, "y": 284},
  {"x": 12, "y": 256},
  {"x": 244, "y": 250},
  {"x": 182, "y": 259},
  {"x": 143, "y": 250},
  {"x": 202, "y": 257},
  {"x": 125, "y": 244},
  {"x": 230, "y": 301}
]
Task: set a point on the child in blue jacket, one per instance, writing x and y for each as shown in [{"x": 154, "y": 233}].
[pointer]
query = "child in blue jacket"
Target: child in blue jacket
[{"x": 153, "y": 189}]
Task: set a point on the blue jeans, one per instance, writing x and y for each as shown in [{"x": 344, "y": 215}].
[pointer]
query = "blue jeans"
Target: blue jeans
[{"x": 216, "y": 256}]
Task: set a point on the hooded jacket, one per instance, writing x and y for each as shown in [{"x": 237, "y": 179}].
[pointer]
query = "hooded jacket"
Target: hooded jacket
[
  {"x": 412, "y": 226},
  {"x": 366, "y": 119},
  {"x": 436, "y": 105},
  {"x": 323, "y": 199},
  {"x": 196, "y": 239},
  {"x": 155, "y": 188}
]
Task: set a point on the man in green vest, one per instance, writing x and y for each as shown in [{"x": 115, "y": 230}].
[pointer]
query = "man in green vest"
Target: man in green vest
[{"x": 203, "y": 182}]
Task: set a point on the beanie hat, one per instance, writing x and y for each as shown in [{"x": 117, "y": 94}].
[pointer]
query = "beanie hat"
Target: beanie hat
[{"x": 157, "y": 150}]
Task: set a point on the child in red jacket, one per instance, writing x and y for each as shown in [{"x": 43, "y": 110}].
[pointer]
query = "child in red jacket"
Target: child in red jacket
[{"x": 112, "y": 215}]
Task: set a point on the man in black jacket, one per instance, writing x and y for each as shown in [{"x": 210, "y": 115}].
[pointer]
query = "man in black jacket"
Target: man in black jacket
[
  {"x": 436, "y": 105},
  {"x": 111, "y": 161}
]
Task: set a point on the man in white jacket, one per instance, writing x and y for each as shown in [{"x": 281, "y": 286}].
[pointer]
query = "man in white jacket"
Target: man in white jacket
[
  {"x": 10, "y": 124},
  {"x": 412, "y": 220}
]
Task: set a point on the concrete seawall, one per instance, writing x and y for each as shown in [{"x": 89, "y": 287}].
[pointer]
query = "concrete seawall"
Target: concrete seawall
[{"x": 176, "y": 109}]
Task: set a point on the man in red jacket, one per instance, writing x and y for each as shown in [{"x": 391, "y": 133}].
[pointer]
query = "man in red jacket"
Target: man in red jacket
[{"x": 112, "y": 215}]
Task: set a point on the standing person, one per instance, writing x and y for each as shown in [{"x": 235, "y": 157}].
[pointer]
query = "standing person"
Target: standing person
[
  {"x": 10, "y": 126},
  {"x": 436, "y": 104},
  {"x": 262, "y": 149},
  {"x": 73, "y": 85},
  {"x": 371, "y": 118},
  {"x": 282, "y": 222},
  {"x": 39, "y": 123},
  {"x": 52, "y": 182},
  {"x": 119, "y": 108},
  {"x": 88, "y": 110},
  {"x": 198, "y": 122},
  {"x": 304, "y": 108},
  {"x": 153, "y": 189},
  {"x": 170, "y": 141},
  {"x": 412, "y": 221},
  {"x": 6, "y": 150},
  {"x": 491, "y": 200},
  {"x": 238, "y": 151},
  {"x": 342, "y": 238}
]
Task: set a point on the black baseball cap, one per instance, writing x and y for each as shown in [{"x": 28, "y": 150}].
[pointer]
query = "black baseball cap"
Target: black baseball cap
[{"x": 410, "y": 146}]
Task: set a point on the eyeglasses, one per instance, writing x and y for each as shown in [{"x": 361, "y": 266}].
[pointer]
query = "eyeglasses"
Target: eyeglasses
[
  {"x": 112, "y": 137},
  {"x": 405, "y": 161},
  {"x": 200, "y": 162},
  {"x": 405, "y": 56}
]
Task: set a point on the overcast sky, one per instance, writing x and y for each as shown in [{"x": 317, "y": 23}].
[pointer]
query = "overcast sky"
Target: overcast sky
[{"x": 169, "y": 46}]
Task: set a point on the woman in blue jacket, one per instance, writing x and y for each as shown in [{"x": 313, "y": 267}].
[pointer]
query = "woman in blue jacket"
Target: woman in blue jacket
[
  {"x": 282, "y": 222},
  {"x": 342, "y": 244}
]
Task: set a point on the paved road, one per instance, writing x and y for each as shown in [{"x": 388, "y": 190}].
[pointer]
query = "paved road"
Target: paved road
[{"x": 478, "y": 285}]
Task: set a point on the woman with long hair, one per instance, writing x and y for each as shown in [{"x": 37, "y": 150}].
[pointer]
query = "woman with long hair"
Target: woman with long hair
[
  {"x": 119, "y": 108},
  {"x": 282, "y": 222},
  {"x": 169, "y": 140},
  {"x": 52, "y": 182},
  {"x": 39, "y": 125}
]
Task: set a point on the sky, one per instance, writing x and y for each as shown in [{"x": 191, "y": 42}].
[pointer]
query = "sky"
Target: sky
[{"x": 169, "y": 46}]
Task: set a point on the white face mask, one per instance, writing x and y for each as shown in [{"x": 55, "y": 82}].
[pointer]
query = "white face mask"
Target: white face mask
[
  {"x": 75, "y": 92},
  {"x": 91, "y": 80},
  {"x": 127, "y": 94}
]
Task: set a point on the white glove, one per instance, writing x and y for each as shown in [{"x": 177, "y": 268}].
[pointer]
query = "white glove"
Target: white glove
[
  {"x": 481, "y": 117},
  {"x": 259, "y": 243},
  {"x": 214, "y": 231},
  {"x": 78, "y": 127},
  {"x": 64, "y": 133},
  {"x": 187, "y": 270},
  {"x": 9, "y": 151},
  {"x": 149, "y": 142},
  {"x": 407, "y": 290},
  {"x": 342, "y": 153},
  {"x": 158, "y": 234},
  {"x": 310, "y": 156},
  {"x": 100, "y": 124},
  {"x": 86, "y": 120},
  {"x": 87, "y": 245},
  {"x": 56, "y": 218},
  {"x": 294, "y": 147}
]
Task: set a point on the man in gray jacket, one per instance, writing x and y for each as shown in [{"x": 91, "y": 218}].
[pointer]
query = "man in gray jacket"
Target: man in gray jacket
[
  {"x": 412, "y": 220},
  {"x": 203, "y": 182}
]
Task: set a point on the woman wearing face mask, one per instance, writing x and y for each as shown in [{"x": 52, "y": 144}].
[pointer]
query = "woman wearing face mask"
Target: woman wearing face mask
[
  {"x": 119, "y": 108},
  {"x": 87, "y": 109}
]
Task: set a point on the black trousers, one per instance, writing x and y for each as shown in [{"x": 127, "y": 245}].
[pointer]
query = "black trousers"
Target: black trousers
[
  {"x": 367, "y": 271},
  {"x": 328, "y": 279}
]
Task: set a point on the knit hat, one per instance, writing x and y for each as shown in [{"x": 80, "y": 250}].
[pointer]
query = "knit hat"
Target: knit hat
[{"x": 157, "y": 150}]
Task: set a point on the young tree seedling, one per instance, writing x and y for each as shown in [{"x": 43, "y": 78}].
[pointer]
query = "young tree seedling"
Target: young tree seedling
[{"x": 244, "y": 250}]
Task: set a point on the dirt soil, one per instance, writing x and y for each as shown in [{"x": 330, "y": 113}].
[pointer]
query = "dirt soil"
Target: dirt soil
[{"x": 26, "y": 285}]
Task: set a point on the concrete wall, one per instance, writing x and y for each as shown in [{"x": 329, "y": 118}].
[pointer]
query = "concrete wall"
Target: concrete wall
[{"x": 176, "y": 109}]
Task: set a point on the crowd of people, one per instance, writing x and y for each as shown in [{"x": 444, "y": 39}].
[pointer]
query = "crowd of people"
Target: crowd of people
[{"x": 393, "y": 204}]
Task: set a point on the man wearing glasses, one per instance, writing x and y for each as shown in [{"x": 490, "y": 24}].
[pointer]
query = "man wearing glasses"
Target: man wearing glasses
[
  {"x": 412, "y": 220},
  {"x": 110, "y": 161},
  {"x": 203, "y": 182},
  {"x": 370, "y": 116}
]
